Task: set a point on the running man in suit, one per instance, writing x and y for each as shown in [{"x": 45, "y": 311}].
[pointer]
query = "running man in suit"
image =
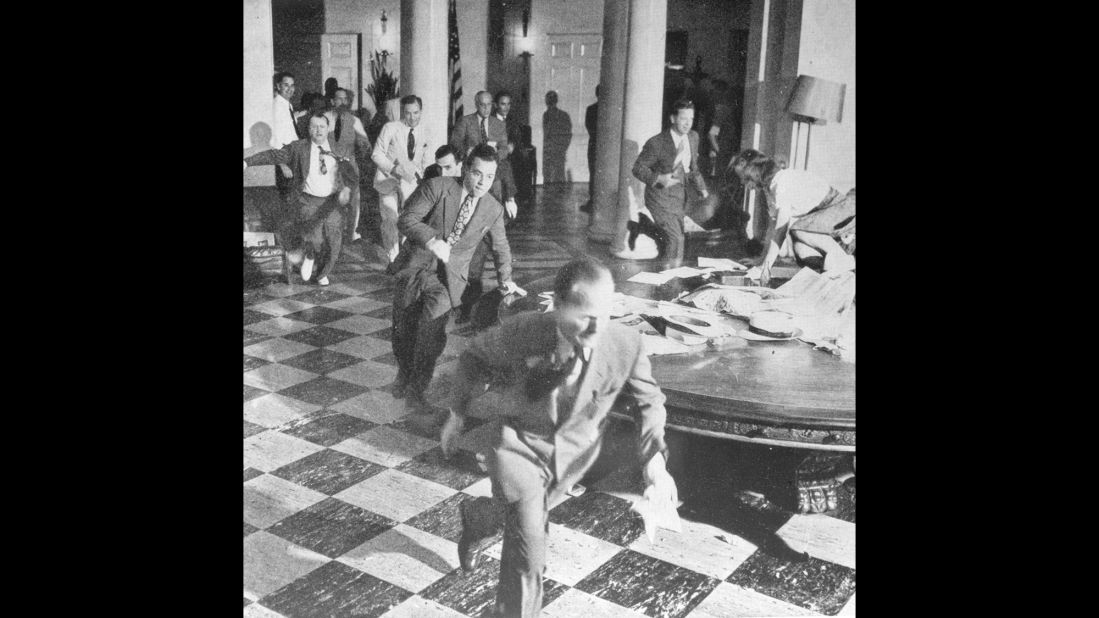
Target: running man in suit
[
  {"x": 558, "y": 373},
  {"x": 320, "y": 188},
  {"x": 444, "y": 221},
  {"x": 668, "y": 161},
  {"x": 401, "y": 155}
]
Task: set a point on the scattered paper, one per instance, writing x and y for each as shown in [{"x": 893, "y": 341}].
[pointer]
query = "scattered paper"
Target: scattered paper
[
  {"x": 686, "y": 272},
  {"x": 720, "y": 264},
  {"x": 651, "y": 278}
]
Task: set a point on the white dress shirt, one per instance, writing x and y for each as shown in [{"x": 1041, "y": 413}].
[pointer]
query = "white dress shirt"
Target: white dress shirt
[
  {"x": 682, "y": 151},
  {"x": 796, "y": 192},
  {"x": 284, "y": 131},
  {"x": 316, "y": 183}
]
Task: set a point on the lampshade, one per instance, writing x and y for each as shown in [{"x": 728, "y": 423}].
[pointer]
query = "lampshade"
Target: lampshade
[{"x": 817, "y": 98}]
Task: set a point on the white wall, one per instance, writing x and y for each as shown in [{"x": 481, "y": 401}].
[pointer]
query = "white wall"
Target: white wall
[
  {"x": 259, "y": 68},
  {"x": 827, "y": 50}
]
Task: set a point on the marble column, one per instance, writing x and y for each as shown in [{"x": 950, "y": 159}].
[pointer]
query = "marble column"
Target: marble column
[
  {"x": 259, "y": 69},
  {"x": 424, "y": 38},
  {"x": 644, "y": 98},
  {"x": 612, "y": 96}
]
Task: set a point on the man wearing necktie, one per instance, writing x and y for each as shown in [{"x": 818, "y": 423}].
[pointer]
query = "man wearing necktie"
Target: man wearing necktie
[
  {"x": 483, "y": 127},
  {"x": 444, "y": 221},
  {"x": 556, "y": 375},
  {"x": 667, "y": 162},
  {"x": 320, "y": 189},
  {"x": 401, "y": 156}
]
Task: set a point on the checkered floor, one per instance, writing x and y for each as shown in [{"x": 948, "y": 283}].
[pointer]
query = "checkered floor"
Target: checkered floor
[{"x": 350, "y": 510}]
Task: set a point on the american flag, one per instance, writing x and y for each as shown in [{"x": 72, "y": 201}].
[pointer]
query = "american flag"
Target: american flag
[{"x": 455, "y": 65}]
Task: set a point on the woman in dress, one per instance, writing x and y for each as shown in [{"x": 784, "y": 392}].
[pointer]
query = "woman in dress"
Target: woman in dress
[{"x": 819, "y": 220}]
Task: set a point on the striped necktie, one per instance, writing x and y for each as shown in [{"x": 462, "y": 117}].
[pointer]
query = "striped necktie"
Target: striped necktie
[{"x": 465, "y": 213}]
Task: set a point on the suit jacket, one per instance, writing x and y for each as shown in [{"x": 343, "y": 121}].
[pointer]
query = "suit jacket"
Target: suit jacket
[
  {"x": 296, "y": 156},
  {"x": 567, "y": 440},
  {"x": 467, "y": 134},
  {"x": 430, "y": 212},
  {"x": 658, "y": 157}
]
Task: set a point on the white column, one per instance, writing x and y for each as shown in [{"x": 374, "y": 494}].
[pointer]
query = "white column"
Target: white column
[
  {"x": 259, "y": 69},
  {"x": 612, "y": 97},
  {"x": 424, "y": 44},
  {"x": 644, "y": 98}
]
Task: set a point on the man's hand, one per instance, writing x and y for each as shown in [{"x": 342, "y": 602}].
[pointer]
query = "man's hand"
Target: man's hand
[
  {"x": 510, "y": 287},
  {"x": 452, "y": 429},
  {"x": 286, "y": 170},
  {"x": 666, "y": 180},
  {"x": 511, "y": 207},
  {"x": 344, "y": 196},
  {"x": 705, "y": 194},
  {"x": 440, "y": 248}
]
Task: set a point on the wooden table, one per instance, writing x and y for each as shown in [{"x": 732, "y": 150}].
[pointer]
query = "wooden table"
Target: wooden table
[{"x": 782, "y": 393}]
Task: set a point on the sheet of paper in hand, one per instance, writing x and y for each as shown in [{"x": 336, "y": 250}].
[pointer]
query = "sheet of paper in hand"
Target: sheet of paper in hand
[{"x": 657, "y": 512}]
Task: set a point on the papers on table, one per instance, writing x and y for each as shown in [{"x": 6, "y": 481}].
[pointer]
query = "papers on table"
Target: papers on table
[
  {"x": 651, "y": 278},
  {"x": 686, "y": 272},
  {"x": 720, "y": 264}
]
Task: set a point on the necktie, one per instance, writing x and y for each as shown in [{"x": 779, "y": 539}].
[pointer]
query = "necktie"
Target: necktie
[
  {"x": 550, "y": 374},
  {"x": 683, "y": 155},
  {"x": 465, "y": 213},
  {"x": 411, "y": 145},
  {"x": 484, "y": 134}
]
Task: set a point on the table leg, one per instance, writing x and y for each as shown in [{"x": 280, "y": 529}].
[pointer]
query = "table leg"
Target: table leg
[{"x": 819, "y": 477}]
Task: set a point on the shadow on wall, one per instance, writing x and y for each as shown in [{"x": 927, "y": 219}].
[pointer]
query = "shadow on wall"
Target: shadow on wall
[
  {"x": 556, "y": 136},
  {"x": 260, "y": 137}
]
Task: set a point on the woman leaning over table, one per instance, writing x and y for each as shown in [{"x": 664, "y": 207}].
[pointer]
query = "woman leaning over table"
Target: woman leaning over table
[{"x": 820, "y": 220}]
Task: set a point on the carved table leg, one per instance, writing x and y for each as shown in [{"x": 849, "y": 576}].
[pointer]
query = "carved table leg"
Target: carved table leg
[{"x": 819, "y": 478}]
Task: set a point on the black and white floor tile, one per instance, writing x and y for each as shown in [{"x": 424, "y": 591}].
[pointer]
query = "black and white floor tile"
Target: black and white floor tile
[{"x": 350, "y": 510}]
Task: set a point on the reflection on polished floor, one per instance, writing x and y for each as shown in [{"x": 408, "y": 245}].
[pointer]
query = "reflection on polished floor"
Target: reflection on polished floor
[{"x": 350, "y": 510}]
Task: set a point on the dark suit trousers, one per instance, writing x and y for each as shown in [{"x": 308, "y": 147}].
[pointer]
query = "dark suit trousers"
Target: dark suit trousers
[
  {"x": 669, "y": 223},
  {"x": 319, "y": 219},
  {"x": 419, "y": 339}
]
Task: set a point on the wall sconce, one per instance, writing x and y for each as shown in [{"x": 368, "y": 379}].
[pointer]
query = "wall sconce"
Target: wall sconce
[
  {"x": 385, "y": 20},
  {"x": 526, "y": 21}
]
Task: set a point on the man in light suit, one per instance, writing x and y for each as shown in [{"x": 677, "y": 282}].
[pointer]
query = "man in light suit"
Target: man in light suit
[
  {"x": 444, "y": 221},
  {"x": 669, "y": 160},
  {"x": 401, "y": 155},
  {"x": 483, "y": 127},
  {"x": 558, "y": 374},
  {"x": 320, "y": 189}
]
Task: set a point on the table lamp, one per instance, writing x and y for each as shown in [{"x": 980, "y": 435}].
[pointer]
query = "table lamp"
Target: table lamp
[{"x": 814, "y": 100}]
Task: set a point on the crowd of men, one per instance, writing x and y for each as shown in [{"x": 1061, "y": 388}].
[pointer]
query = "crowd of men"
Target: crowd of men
[{"x": 443, "y": 213}]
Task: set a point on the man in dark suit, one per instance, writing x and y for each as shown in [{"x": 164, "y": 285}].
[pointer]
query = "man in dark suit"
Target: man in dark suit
[
  {"x": 444, "y": 220},
  {"x": 482, "y": 127},
  {"x": 320, "y": 188},
  {"x": 591, "y": 123},
  {"x": 667, "y": 162},
  {"x": 558, "y": 375}
]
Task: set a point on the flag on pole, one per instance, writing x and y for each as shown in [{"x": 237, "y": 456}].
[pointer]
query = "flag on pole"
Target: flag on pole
[{"x": 455, "y": 66}]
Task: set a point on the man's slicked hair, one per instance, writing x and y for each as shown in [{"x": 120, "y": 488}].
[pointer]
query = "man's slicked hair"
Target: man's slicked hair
[
  {"x": 444, "y": 150},
  {"x": 581, "y": 270},
  {"x": 409, "y": 99},
  {"x": 483, "y": 152}
]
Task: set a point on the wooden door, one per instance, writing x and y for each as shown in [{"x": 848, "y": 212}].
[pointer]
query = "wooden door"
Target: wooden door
[
  {"x": 574, "y": 73},
  {"x": 340, "y": 59}
]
